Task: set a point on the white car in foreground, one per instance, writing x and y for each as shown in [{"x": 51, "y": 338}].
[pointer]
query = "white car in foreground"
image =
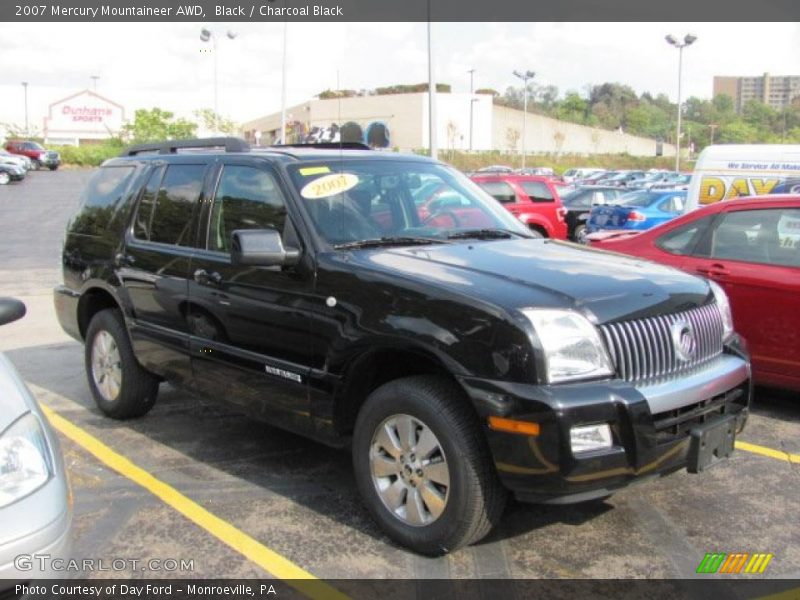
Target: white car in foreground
[{"x": 35, "y": 501}]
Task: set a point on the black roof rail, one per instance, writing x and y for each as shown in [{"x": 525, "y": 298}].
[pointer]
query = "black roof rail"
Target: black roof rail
[
  {"x": 327, "y": 146},
  {"x": 231, "y": 144}
]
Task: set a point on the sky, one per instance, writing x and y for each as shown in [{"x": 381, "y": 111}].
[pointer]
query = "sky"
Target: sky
[{"x": 142, "y": 65}]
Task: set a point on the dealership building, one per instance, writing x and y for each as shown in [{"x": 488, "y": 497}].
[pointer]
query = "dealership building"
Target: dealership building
[
  {"x": 464, "y": 122},
  {"x": 84, "y": 117}
]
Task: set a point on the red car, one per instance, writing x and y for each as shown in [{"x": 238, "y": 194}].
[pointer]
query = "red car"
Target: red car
[
  {"x": 40, "y": 157},
  {"x": 751, "y": 247},
  {"x": 533, "y": 199}
]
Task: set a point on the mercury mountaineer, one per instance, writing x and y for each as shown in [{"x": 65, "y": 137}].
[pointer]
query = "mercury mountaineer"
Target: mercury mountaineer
[{"x": 387, "y": 304}]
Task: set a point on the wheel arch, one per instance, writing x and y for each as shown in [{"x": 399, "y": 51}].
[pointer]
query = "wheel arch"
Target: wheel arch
[
  {"x": 368, "y": 370},
  {"x": 92, "y": 301}
]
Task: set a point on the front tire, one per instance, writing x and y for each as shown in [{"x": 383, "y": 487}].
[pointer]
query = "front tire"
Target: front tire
[
  {"x": 35, "y": 165},
  {"x": 5, "y": 178},
  {"x": 122, "y": 389},
  {"x": 423, "y": 466}
]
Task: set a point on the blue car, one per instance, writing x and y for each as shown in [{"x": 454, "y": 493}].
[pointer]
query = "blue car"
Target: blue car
[{"x": 637, "y": 211}]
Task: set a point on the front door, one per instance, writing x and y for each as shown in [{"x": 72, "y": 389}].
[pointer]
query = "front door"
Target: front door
[
  {"x": 250, "y": 334},
  {"x": 755, "y": 256}
]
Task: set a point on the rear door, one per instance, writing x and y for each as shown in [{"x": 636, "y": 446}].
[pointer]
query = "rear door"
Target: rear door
[
  {"x": 755, "y": 255},
  {"x": 154, "y": 265}
]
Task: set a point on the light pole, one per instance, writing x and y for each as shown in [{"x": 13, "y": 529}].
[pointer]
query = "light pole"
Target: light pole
[
  {"x": 207, "y": 35},
  {"x": 25, "y": 87},
  {"x": 688, "y": 40},
  {"x": 471, "y": 104},
  {"x": 431, "y": 93},
  {"x": 283, "y": 84},
  {"x": 526, "y": 76},
  {"x": 95, "y": 78}
]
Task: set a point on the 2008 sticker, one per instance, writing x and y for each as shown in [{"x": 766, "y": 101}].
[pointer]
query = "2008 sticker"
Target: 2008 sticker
[{"x": 329, "y": 185}]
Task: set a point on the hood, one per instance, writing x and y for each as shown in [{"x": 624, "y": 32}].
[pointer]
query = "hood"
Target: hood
[
  {"x": 523, "y": 273},
  {"x": 15, "y": 399}
]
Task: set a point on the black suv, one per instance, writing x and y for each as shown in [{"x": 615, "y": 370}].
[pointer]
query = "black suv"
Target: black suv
[{"x": 326, "y": 291}]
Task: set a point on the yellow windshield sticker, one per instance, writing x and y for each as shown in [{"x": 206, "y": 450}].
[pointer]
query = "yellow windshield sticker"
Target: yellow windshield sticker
[
  {"x": 329, "y": 185},
  {"x": 306, "y": 171}
]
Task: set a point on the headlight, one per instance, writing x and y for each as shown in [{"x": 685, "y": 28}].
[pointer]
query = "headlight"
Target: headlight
[
  {"x": 724, "y": 306},
  {"x": 572, "y": 346},
  {"x": 24, "y": 459}
]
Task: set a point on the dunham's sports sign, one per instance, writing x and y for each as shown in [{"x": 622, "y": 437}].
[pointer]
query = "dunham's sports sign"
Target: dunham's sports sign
[{"x": 85, "y": 115}]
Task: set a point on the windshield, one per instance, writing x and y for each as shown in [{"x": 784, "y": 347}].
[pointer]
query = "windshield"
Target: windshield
[
  {"x": 638, "y": 199},
  {"x": 356, "y": 200}
]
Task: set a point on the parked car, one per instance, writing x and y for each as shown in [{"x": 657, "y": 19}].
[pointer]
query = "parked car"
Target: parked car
[
  {"x": 545, "y": 171},
  {"x": 35, "y": 505},
  {"x": 40, "y": 157},
  {"x": 638, "y": 210},
  {"x": 495, "y": 169},
  {"x": 15, "y": 159},
  {"x": 751, "y": 247},
  {"x": 596, "y": 177},
  {"x": 578, "y": 203},
  {"x": 678, "y": 181},
  {"x": 622, "y": 178},
  {"x": 9, "y": 173},
  {"x": 533, "y": 199},
  {"x": 457, "y": 363},
  {"x": 576, "y": 174}
]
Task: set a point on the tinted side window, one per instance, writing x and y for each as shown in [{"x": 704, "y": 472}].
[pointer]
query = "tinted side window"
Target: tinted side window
[
  {"x": 101, "y": 199},
  {"x": 537, "y": 191},
  {"x": 144, "y": 213},
  {"x": 682, "y": 240},
  {"x": 172, "y": 207},
  {"x": 246, "y": 198},
  {"x": 765, "y": 236},
  {"x": 501, "y": 191}
]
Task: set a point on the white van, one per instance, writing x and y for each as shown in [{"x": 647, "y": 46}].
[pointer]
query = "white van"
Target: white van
[{"x": 725, "y": 172}]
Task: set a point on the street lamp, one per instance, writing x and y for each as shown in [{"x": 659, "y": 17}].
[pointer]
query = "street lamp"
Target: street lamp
[
  {"x": 526, "y": 76},
  {"x": 94, "y": 78},
  {"x": 471, "y": 104},
  {"x": 25, "y": 87},
  {"x": 688, "y": 40},
  {"x": 207, "y": 35}
]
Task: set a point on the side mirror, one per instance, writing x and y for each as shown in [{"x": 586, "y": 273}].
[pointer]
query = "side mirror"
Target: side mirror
[
  {"x": 11, "y": 309},
  {"x": 261, "y": 248}
]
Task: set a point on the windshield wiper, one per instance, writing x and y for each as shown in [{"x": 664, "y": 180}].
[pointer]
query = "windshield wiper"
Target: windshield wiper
[
  {"x": 483, "y": 234},
  {"x": 388, "y": 241}
]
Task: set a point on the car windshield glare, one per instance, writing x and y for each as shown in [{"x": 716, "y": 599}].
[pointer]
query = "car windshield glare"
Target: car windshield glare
[{"x": 354, "y": 200}]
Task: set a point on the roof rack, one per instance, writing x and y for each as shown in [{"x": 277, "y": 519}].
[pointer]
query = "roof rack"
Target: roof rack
[
  {"x": 327, "y": 146},
  {"x": 231, "y": 144}
]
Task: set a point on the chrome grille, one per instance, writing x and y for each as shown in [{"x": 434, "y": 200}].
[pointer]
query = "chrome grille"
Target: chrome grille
[{"x": 642, "y": 350}]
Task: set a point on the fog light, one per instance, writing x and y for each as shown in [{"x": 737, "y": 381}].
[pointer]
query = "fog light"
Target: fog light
[{"x": 590, "y": 437}]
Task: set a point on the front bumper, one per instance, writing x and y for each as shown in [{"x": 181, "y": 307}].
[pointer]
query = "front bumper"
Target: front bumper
[{"x": 650, "y": 426}]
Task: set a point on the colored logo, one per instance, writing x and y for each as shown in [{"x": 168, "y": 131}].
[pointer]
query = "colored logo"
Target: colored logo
[{"x": 730, "y": 564}]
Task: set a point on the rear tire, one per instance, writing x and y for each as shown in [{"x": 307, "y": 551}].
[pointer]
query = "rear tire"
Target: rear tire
[
  {"x": 53, "y": 168},
  {"x": 438, "y": 490},
  {"x": 122, "y": 389},
  {"x": 580, "y": 234}
]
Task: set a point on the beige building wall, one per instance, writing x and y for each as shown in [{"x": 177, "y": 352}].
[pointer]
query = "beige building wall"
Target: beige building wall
[
  {"x": 406, "y": 116},
  {"x": 544, "y": 134}
]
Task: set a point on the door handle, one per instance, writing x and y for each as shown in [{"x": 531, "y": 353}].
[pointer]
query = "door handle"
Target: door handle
[
  {"x": 123, "y": 260},
  {"x": 203, "y": 277},
  {"x": 712, "y": 270}
]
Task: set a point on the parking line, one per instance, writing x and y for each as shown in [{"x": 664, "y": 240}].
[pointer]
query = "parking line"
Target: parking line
[
  {"x": 250, "y": 548},
  {"x": 764, "y": 451}
]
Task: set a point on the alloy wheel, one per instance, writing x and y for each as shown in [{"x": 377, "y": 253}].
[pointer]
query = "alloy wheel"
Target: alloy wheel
[{"x": 106, "y": 366}]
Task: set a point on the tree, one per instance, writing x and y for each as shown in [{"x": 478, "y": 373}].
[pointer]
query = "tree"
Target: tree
[
  {"x": 723, "y": 103},
  {"x": 212, "y": 121},
  {"x": 572, "y": 108},
  {"x": 488, "y": 92},
  {"x": 155, "y": 125},
  {"x": 737, "y": 132}
]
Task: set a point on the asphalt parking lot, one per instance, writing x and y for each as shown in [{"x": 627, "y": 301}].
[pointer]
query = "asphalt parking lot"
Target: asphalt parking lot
[{"x": 254, "y": 501}]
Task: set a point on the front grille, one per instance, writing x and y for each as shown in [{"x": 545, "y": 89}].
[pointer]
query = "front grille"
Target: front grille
[
  {"x": 676, "y": 423},
  {"x": 642, "y": 350}
]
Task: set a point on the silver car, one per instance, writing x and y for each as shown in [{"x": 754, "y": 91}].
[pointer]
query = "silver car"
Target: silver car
[{"x": 35, "y": 500}]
